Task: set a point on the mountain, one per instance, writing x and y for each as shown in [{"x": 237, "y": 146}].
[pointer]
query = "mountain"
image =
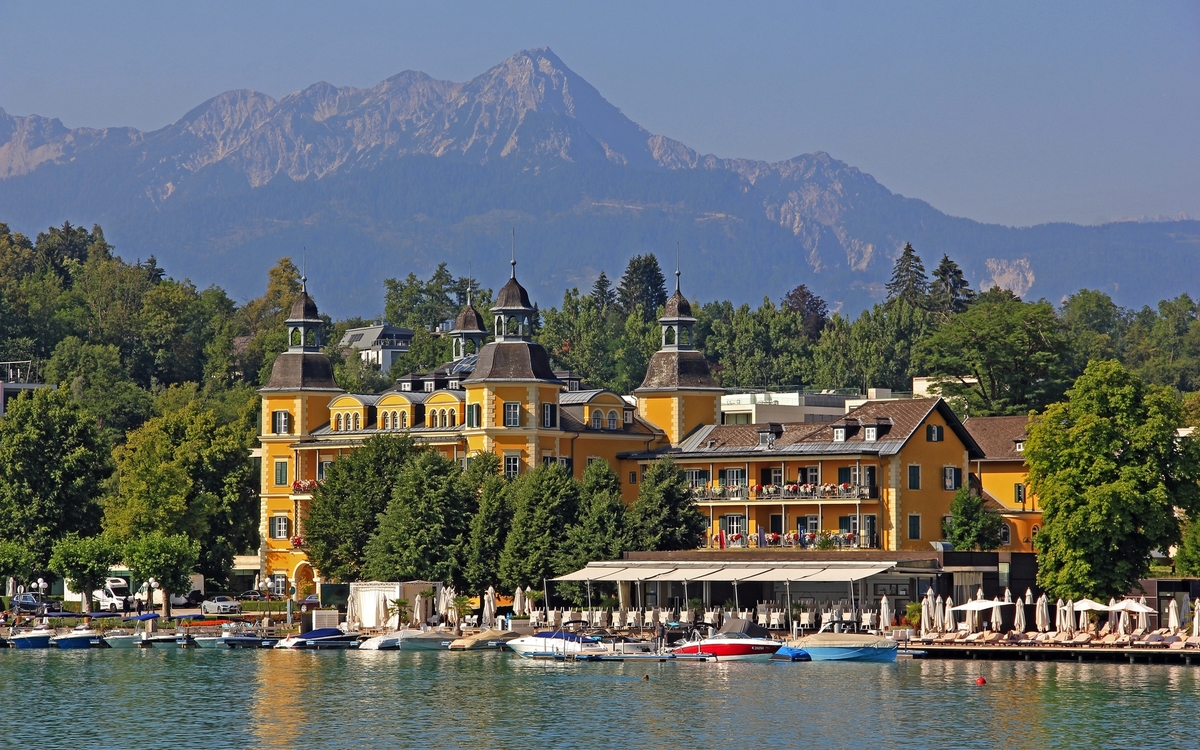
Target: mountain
[{"x": 373, "y": 183}]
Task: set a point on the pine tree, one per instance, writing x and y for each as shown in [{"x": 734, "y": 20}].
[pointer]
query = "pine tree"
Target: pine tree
[
  {"x": 643, "y": 284},
  {"x": 664, "y": 516},
  {"x": 949, "y": 292},
  {"x": 603, "y": 293},
  {"x": 602, "y": 531},
  {"x": 909, "y": 282},
  {"x": 545, "y": 505},
  {"x": 813, "y": 310}
]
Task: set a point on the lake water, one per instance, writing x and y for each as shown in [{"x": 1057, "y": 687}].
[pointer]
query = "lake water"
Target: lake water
[{"x": 280, "y": 699}]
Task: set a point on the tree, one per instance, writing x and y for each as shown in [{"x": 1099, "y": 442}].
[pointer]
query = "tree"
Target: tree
[
  {"x": 664, "y": 516},
  {"x": 813, "y": 311},
  {"x": 16, "y": 561},
  {"x": 96, "y": 378},
  {"x": 1187, "y": 557},
  {"x": 84, "y": 563},
  {"x": 169, "y": 559},
  {"x": 423, "y": 533},
  {"x": 642, "y": 284},
  {"x": 489, "y": 524},
  {"x": 1109, "y": 473},
  {"x": 601, "y": 533},
  {"x": 581, "y": 338},
  {"x": 973, "y": 525},
  {"x": 1002, "y": 356},
  {"x": 603, "y": 293},
  {"x": 545, "y": 505},
  {"x": 1095, "y": 328},
  {"x": 949, "y": 292},
  {"x": 909, "y": 282},
  {"x": 1191, "y": 410},
  {"x": 53, "y": 464},
  {"x": 345, "y": 508}
]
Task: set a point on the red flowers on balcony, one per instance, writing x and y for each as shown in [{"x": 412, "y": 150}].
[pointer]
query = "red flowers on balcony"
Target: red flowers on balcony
[{"x": 304, "y": 485}]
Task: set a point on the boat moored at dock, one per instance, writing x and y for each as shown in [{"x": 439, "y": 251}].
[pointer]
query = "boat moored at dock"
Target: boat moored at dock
[{"x": 827, "y": 646}]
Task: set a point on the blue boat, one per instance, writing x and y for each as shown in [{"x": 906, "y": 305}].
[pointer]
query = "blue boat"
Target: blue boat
[
  {"x": 826, "y": 646},
  {"x": 791, "y": 653},
  {"x": 81, "y": 636},
  {"x": 39, "y": 637}
]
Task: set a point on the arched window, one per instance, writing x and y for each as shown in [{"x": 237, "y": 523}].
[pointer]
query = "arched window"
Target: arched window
[
  {"x": 597, "y": 419},
  {"x": 357, "y": 424},
  {"x": 387, "y": 421},
  {"x": 453, "y": 416},
  {"x": 395, "y": 421},
  {"x": 404, "y": 420},
  {"x": 669, "y": 335},
  {"x": 337, "y": 423},
  {"x": 1005, "y": 535},
  {"x": 1034, "y": 533},
  {"x": 612, "y": 420}
]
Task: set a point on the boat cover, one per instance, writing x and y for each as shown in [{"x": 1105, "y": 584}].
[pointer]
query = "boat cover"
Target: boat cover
[{"x": 736, "y": 625}]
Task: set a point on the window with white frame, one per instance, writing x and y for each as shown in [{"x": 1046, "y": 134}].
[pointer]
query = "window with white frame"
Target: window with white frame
[
  {"x": 429, "y": 386},
  {"x": 1020, "y": 447},
  {"x": 281, "y": 422},
  {"x": 278, "y": 584},
  {"x": 839, "y": 434},
  {"x": 810, "y": 475},
  {"x": 512, "y": 466},
  {"x": 281, "y": 472},
  {"x": 1005, "y": 535},
  {"x": 512, "y": 414},
  {"x": 696, "y": 477},
  {"x": 612, "y": 420},
  {"x": 951, "y": 478},
  {"x": 914, "y": 476},
  {"x": 777, "y": 476},
  {"x": 735, "y": 477},
  {"x": 1019, "y": 493},
  {"x": 869, "y": 434},
  {"x": 597, "y": 420},
  {"x": 934, "y": 433},
  {"x": 280, "y": 527},
  {"x": 549, "y": 415},
  {"x": 812, "y": 524},
  {"x": 914, "y": 527},
  {"x": 734, "y": 523},
  {"x": 629, "y": 416},
  {"x": 323, "y": 469}
]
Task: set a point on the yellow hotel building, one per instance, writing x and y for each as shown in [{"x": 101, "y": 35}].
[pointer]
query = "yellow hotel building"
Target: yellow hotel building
[{"x": 879, "y": 478}]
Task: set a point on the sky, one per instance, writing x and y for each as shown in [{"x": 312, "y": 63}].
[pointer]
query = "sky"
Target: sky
[{"x": 1013, "y": 113}]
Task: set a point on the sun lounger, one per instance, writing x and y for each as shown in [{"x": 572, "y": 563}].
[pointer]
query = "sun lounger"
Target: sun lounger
[
  {"x": 1080, "y": 639},
  {"x": 1177, "y": 645},
  {"x": 990, "y": 637},
  {"x": 1109, "y": 639}
]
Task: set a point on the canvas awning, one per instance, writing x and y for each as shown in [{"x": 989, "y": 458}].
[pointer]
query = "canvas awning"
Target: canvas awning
[
  {"x": 686, "y": 574},
  {"x": 847, "y": 573},
  {"x": 734, "y": 574},
  {"x": 785, "y": 574},
  {"x": 590, "y": 573}
]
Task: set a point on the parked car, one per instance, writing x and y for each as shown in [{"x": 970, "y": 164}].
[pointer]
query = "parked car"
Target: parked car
[
  {"x": 251, "y": 596},
  {"x": 111, "y": 598},
  {"x": 221, "y": 605},
  {"x": 29, "y": 603},
  {"x": 195, "y": 598},
  {"x": 312, "y": 601}
]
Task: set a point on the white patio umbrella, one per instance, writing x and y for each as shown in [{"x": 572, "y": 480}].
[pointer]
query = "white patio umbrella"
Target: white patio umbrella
[
  {"x": 1185, "y": 611},
  {"x": 949, "y": 624},
  {"x": 1060, "y": 616},
  {"x": 1043, "y": 614},
  {"x": 1019, "y": 617},
  {"x": 938, "y": 618},
  {"x": 519, "y": 602},
  {"x": 1113, "y": 617},
  {"x": 1173, "y": 615},
  {"x": 418, "y": 609},
  {"x": 926, "y": 617},
  {"x": 885, "y": 613},
  {"x": 1143, "y": 620},
  {"x": 1069, "y": 611},
  {"x": 1029, "y": 596},
  {"x": 489, "y": 608},
  {"x": 528, "y": 600},
  {"x": 997, "y": 615},
  {"x": 1196, "y": 623}
]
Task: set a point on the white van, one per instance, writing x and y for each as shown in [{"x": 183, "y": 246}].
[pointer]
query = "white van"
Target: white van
[
  {"x": 178, "y": 598},
  {"x": 111, "y": 598}
]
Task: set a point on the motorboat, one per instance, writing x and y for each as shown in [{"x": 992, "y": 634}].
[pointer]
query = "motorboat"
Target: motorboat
[
  {"x": 80, "y": 636},
  {"x": 320, "y": 638},
  {"x": 791, "y": 653},
  {"x": 484, "y": 639},
  {"x": 126, "y": 639},
  {"x": 558, "y": 643},
  {"x": 230, "y": 639},
  {"x": 737, "y": 640},
  {"x": 828, "y": 646},
  {"x": 38, "y": 637},
  {"x": 409, "y": 640}
]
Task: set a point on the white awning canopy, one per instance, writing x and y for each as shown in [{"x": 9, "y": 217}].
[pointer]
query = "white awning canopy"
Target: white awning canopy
[
  {"x": 847, "y": 573},
  {"x": 637, "y": 574},
  {"x": 686, "y": 574},
  {"x": 590, "y": 573},
  {"x": 733, "y": 574},
  {"x": 821, "y": 573}
]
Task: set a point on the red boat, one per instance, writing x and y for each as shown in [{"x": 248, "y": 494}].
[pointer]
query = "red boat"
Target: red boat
[{"x": 737, "y": 640}]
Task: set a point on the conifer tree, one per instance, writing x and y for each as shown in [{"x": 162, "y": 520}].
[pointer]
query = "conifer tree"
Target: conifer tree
[
  {"x": 643, "y": 284},
  {"x": 949, "y": 292},
  {"x": 909, "y": 282},
  {"x": 603, "y": 293},
  {"x": 545, "y": 505},
  {"x": 664, "y": 516}
]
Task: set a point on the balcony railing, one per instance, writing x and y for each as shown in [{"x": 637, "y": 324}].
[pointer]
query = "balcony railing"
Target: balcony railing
[
  {"x": 819, "y": 540},
  {"x": 741, "y": 493}
]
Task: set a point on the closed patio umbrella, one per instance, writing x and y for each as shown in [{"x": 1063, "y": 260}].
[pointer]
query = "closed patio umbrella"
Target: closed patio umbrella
[
  {"x": 926, "y": 617},
  {"x": 949, "y": 624},
  {"x": 489, "y": 608},
  {"x": 1043, "y": 614},
  {"x": 885, "y": 613},
  {"x": 519, "y": 602},
  {"x": 1060, "y": 616},
  {"x": 1069, "y": 612},
  {"x": 1113, "y": 617},
  {"x": 418, "y": 610},
  {"x": 1196, "y": 623},
  {"x": 1019, "y": 617},
  {"x": 1143, "y": 619},
  {"x": 1185, "y": 610},
  {"x": 1173, "y": 615},
  {"x": 938, "y": 617},
  {"x": 528, "y": 600},
  {"x": 997, "y": 615}
]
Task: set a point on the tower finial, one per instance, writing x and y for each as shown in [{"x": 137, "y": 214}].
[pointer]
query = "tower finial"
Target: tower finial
[
  {"x": 514, "y": 253},
  {"x": 304, "y": 269},
  {"x": 470, "y": 282},
  {"x": 676, "y": 266}
]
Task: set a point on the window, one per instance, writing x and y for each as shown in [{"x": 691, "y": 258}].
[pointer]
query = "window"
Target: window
[
  {"x": 869, "y": 434},
  {"x": 810, "y": 475},
  {"x": 846, "y": 475},
  {"x": 839, "y": 434},
  {"x": 735, "y": 477},
  {"x": 281, "y": 473},
  {"x": 848, "y": 524},
  {"x": 404, "y": 419},
  {"x": 512, "y": 466},
  {"x": 733, "y": 524},
  {"x": 387, "y": 421},
  {"x": 812, "y": 524},
  {"x": 549, "y": 460},
  {"x": 279, "y": 527},
  {"x": 629, "y": 416},
  {"x": 914, "y": 527},
  {"x": 473, "y": 411},
  {"x": 1005, "y": 535},
  {"x": 1034, "y": 532},
  {"x": 549, "y": 415},
  {"x": 934, "y": 433},
  {"x": 281, "y": 422},
  {"x": 633, "y": 477},
  {"x": 279, "y": 584},
  {"x": 947, "y": 526},
  {"x": 453, "y": 414},
  {"x": 429, "y": 386},
  {"x": 775, "y": 476},
  {"x": 406, "y": 386},
  {"x": 597, "y": 420},
  {"x": 512, "y": 415},
  {"x": 696, "y": 477},
  {"x": 612, "y": 420},
  {"x": 573, "y": 385},
  {"x": 357, "y": 422},
  {"x": 914, "y": 477},
  {"x": 1019, "y": 493},
  {"x": 951, "y": 478},
  {"x": 338, "y": 423},
  {"x": 323, "y": 469},
  {"x": 453, "y": 385},
  {"x": 1020, "y": 446}
]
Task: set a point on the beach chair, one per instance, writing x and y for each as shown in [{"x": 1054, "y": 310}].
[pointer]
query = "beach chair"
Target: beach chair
[
  {"x": 710, "y": 617},
  {"x": 1080, "y": 639},
  {"x": 1150, "y": 640},
  {"x": 807, "y": 620},
  {"x": 763, "y": 620},
  {"x": 1108, "y": 640},
  {"x": 775, "y": 620}
]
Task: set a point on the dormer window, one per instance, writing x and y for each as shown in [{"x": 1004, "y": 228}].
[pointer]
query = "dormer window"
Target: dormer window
[
  {"x": 870, "y": 433},
  {"x": 406, "y": 386},
  {"x": 429, "y": 386},
  {"x": 629, "y": 416},
  {"x": 839, "y": 434},
  {"x": 1020, "y": 446},
  {"x": 453, "y": 385}
]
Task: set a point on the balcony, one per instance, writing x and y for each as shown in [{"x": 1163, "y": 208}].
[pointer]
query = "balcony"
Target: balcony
[
  {"x": 775, "y": 493},
  {"x": 814, "y": 541}
]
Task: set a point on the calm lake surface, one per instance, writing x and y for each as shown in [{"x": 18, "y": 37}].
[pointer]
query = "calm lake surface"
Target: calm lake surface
[{"x": 281, "y": 699}]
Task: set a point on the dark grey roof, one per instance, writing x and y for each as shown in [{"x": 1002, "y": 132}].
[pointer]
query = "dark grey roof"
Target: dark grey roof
[
  {"x": 677, "y": 307},
  {"x": 382, "y": 335},
  {"x": 579, "y": 397},
  {"x": 512, "y": 296},
  {"x": 304, "y": 310},
  {"x": 513, "y": 360},
  {"x": 309, "y": 371},
  {"x": 670, "y": 370},
  {"x": 469, "y": 321}
]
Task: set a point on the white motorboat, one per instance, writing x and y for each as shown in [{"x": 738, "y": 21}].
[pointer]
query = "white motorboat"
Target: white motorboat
[
  {"x": 80, "y": 636},
  {"x": 737, "y": 640},
  {"x": 127, "y": 639},
  {"x": 494, "y": 639},
  {"x": 409, "y": 640},
  {"x": 321, "y": 638}
]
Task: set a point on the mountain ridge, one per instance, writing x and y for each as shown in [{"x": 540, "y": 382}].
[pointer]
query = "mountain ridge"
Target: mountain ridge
[{"x": 415, "y": 169}]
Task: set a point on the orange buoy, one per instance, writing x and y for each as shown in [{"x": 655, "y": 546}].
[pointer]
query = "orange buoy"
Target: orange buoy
[{"x": 980, "y": 681}]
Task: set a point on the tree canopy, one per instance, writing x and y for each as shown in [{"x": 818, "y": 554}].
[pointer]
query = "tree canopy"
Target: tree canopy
[
  {"x": 909, "y": 282},
  {"x": 545, "y": 505},
  {"x": 973, "y": 525},
  {"x": 84, "y": 563},
  {"x": 664, "y": 516}
]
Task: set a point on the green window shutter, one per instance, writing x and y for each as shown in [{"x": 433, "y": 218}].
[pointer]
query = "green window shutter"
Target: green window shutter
[
  {"x": 844, "y": 475},
  {"x": 721, "y": 476},
  {"x": 957, "y": 478}
]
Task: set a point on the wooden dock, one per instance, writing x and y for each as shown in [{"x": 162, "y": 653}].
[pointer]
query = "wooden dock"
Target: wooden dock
[{"x": 1189, "y": 656}]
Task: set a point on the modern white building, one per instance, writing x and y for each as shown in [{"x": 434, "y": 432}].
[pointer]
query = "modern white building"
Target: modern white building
[
  {"x": 782, "y": 406},
  {"x": 380, "y": 345}
]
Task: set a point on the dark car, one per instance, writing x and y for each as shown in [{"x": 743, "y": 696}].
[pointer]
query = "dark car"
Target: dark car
[
  {"x": 251, "y": 596},
  {"x": 195, "y": 597},
  {"x": 310, "y": 602},
  {"x": 29, "y": 603}
]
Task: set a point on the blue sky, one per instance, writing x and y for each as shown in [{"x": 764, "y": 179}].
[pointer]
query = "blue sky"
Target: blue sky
[{"x": 1016, "y": 113}]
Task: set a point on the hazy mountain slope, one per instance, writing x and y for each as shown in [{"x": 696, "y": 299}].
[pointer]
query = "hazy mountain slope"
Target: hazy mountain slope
[{"x": 376, "y": 182}]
